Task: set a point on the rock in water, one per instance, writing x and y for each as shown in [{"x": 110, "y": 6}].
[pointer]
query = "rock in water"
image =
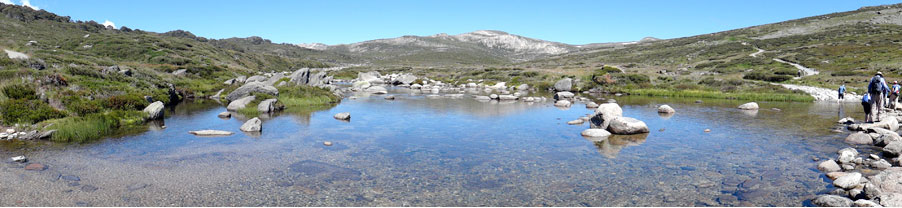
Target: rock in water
[
  {"x": 562, "y": 103},
  {"x": 362, "y": 85},
  {"x": 595, "y": 133},
  {"x": 252, "y": 125},
  {"x": 35, "y": 167},
  {"x": 591, "y": 105},
  {"x": 343, "y": 116},
  {"x": 563, "y": 95},
  {"x": 523, "y": 87},
  {"x": 563, "y": 85},
  {"x": 19, "y": 159},
  {"x": 832, "y": 201},
  {"x": 829, "y": 166},
  {"x": 407, "y": 79},
  {"x": 848, "y": 181},
  {"x": 749, "y": 106},
  {"x": 865, "y": 203},
  {"x": 210, "y": 133},
  {"x": 859, "y": 138},
  {"x": 603, "y": 115},
  {"x": 240, "y": 103},
  {"x": 576, "y": 122},
  {"x": 627, "y": 125},
  {"x": 252, "y": 87},
  {"x": 225, "y": 115},
  {"x": 154, "y": 110},
  {"x": 847, "y": 155},
  {"x": 377, "y": 90},
  {"x": 893, "y": 148},
  {"x": 665, "y": 109}
]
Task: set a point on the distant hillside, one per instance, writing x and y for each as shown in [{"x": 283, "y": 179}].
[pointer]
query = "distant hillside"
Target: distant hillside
[
  {"x": 478, "y": 47},
  {"x": 847, "y": 46}
]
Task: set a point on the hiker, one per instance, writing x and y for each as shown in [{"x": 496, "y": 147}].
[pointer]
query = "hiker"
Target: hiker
[
  {"x": 866, "y": 103},
  {"x": 878, "y": 89},
  {"x": 842, "y": 92},
  {"x": 894, "y": 95}
]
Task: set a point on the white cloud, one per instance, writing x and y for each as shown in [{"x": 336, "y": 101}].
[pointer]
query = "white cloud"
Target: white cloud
[
  {"x": 109, "y": 24},
  {"x": 6, "y": 2},
  {"x": 28, "y": 4}
]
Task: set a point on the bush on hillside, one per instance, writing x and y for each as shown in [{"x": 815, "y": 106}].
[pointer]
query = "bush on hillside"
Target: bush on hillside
[
  {"x": 20, "y": 91},
  {"x": 27, "y": 111}
]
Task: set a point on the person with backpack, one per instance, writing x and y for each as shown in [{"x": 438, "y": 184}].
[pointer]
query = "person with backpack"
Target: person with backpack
[
  {"x": 866, "y": 103},
  {"x": 877, "y": 89},
  {"x": 894, "y": 95},
  {"x": 842, "y": 92}
]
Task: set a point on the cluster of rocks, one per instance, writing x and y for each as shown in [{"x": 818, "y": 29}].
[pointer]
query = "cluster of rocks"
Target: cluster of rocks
[
  {"x": 11, "y": 134},
  {"x": 608, "y": 119},
  {"x": 853, "y": 174}
]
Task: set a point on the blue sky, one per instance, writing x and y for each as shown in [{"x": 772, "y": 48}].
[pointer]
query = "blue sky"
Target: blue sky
[{"x": 348, "y": 21}]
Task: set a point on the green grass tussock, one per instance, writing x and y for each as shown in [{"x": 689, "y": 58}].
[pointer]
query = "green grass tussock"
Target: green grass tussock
[{"x": 94, "y": 126}]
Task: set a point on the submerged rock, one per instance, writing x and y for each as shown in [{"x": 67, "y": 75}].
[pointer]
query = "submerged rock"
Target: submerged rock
[
  {"x": 749, "y": 106},
  {"x": 345, "y": 116},
  {"x": 252, "y": 125},
  {"x": 832, "y": 201},
  {"x": 210, "y": 133},
  {"x": 154, "y": 110}
]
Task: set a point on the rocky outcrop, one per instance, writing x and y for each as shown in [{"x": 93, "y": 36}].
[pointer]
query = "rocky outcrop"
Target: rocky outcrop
[
  {"x": 252, "y": 87},
  {"x": 255, "y": 78},
  {"x": 240, "y": 103},
  {"x": 154, "y": 110},
  {"x": 300, "y": 77},
  {"x": 252, "y": 125},
  {"x": 627, "y": 125},
  {"x": 563, "y": 85}
]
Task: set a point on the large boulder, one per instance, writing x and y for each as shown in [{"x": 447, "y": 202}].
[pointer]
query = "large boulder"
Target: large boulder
[
  {"x": 893, "y": 148},
  {"x": 300, "y": 77},
  {"x": 240, "y": 103},
  {"x": 749, "y": 106},
  {"x": 154, "y": 110},
  {"x": 273, "y": 79},
  {"x": 832, "y": 201},
  {"x": 319, "y": 79},
  {"x": 627, "y": 125},
  {"x": 372, "y": 77},
  {"x": 252, "y": 125},
  {"x": 268, "y": 106},
  {"x": 859, "y": 138},
  {"x": 603, "y": 115},
  {"x": 563, "y": 85},
  {"x": 252, "y": 87},
  {"x": 407, "y": 79},
  {"x": 848, "y": 181}
]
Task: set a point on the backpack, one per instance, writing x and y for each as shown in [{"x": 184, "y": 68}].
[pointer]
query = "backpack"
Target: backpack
[
  {"x": 875, "y": 86},
  {"x": 866, "y": 98}
]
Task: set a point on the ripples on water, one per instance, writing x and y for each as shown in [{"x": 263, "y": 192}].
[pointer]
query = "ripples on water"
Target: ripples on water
[{"x": 415, "y": 151}]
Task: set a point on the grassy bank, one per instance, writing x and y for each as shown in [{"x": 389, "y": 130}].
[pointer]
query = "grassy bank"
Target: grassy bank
[
  {"x": 94, "y": 126},
  {"x": 721, "y": 95},
  {"x": 294, "y": 99}
]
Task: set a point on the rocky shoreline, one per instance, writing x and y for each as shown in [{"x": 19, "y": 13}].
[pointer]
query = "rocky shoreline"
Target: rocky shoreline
[{"x": 866, "y": 180}]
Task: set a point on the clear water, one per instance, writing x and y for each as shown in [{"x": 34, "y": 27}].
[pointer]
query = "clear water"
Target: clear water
[{"x": 416, "y": 151}]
